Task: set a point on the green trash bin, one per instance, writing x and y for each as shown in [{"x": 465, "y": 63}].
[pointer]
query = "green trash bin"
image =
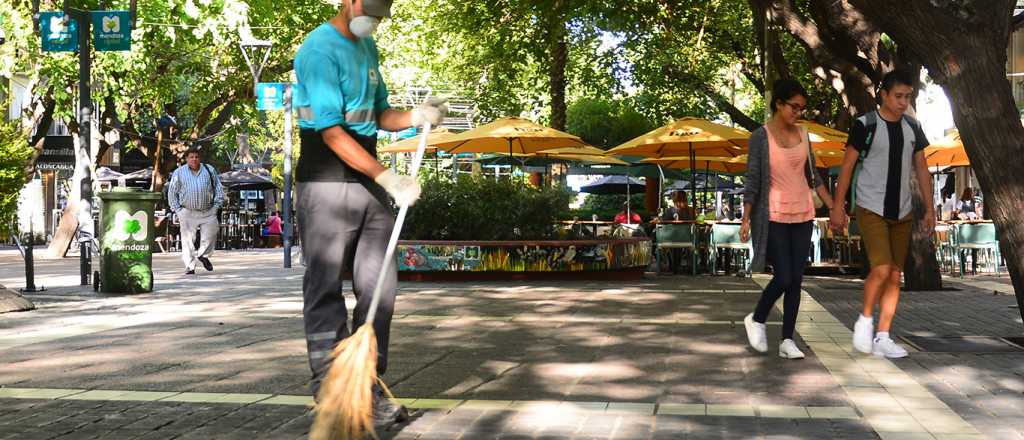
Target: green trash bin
[{"x": 126, "y": 246}]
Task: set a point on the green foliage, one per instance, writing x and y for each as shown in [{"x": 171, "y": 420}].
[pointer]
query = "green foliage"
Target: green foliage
[
  {"x": 497, "y": 53},
  {"x": 606, "y": 206},
  {"x": 482, "y": 208},
  {"x": 605, "y": 123},
  {"x": 14, "y": 152}
]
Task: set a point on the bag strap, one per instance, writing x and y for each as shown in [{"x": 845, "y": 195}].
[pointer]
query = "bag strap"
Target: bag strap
[
  {"x": 809, "y": 171},
  {"x": 213, "y": 185},
  {"x": 870, "y": 125}
]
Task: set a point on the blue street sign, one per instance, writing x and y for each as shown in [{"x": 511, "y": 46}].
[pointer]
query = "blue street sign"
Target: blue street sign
[
  {"x": 58, "y": 35},
  {"x": 112, "y": 30},
  {"x": 270, "y": 96}
]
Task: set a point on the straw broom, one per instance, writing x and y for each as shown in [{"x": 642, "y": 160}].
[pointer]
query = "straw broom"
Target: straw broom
[{"x": 345, "y": 410}]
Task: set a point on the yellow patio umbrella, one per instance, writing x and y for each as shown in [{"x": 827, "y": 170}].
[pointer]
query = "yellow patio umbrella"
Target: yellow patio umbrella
[
  {"x": 948, "y": 152},
  {"x": 584, "y": 153},
  {"x": 823, "y": 158},
  {"x": 507, "y": 135},
  {"x": 592, "y": 158},
  {"x": 824, "y": 137},
  {"x": 828, "y": 157},
  {"x": 729, "y": 165},
  {"x": 583, "y": 150},
  {"x": 408, "y": 145},
  {"x": 687, "y": 137}
]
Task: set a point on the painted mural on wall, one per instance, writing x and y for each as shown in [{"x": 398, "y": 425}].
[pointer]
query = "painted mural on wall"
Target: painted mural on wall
[{"x": 562, "y": 257}]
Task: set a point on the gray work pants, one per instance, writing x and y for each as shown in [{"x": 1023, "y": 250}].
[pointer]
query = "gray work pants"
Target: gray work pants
[{"x": 344, "y": 226}]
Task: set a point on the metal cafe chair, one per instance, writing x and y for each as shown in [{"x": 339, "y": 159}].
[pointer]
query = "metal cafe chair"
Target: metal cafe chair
[
  {"x": 676, "y": 236},
  {"x": 727, "y": 237}
]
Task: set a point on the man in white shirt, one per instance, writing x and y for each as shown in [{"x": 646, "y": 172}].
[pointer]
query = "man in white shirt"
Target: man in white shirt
[{"x": 195, "y": 194}]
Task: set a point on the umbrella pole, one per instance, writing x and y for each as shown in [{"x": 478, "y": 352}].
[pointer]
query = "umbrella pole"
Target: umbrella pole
[
  {"x": 511, "y": 159},
  {"x": 629, "y": 218},
  {"x": 693, "y": 177},
  {"x": 661, "y": 184},
  {"x": 704, "y": 200}
]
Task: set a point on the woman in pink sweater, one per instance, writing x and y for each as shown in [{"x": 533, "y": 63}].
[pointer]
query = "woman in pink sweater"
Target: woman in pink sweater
[{"x": 778, "y": 205}]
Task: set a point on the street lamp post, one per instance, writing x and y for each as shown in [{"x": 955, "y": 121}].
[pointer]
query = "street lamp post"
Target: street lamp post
[{"x": 256, "y": 53}]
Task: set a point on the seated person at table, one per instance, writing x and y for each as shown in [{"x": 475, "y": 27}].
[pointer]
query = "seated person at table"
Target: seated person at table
[
  {"x": 967, "y": 207},
  {"x": 679, "y": 210},
  {"x": 634, "y": 218},
  {"x": 273, "y": 224}
]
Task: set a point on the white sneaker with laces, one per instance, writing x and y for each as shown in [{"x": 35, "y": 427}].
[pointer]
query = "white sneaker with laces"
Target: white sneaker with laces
[
  {"x": 888, "y": 348},
  {"x": 789, "y": 350},
  {"x": 756, "y": 334},
  {"x": 863, "y": 333}
]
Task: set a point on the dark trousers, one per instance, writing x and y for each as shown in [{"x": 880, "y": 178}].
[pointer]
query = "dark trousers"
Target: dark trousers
[
  {"x": 788, "y": 246},
  {"x": 345, "y": 226}
]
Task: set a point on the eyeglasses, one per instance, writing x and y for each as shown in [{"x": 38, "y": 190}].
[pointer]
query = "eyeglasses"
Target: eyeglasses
[{"x": 797, "y": 108}]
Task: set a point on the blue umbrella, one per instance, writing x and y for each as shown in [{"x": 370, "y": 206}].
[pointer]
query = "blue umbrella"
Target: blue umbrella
[{"x": 614, "y": 185}]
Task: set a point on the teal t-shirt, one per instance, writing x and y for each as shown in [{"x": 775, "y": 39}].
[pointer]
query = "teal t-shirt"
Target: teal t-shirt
[{"x": 339, "y": 82}]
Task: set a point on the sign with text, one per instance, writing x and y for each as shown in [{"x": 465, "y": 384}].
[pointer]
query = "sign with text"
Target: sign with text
[
  {"x": 112, "y": 30},
  {"x": 270, "y": 96},
  {"x": 59, "y": 34},
  {"x": 58, "y": 154}
]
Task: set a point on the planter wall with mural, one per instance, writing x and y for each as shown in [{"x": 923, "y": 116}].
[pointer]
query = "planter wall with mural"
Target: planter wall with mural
[
  {"x": 479, "y": 228},
  {"x": 483, "y": 260}
]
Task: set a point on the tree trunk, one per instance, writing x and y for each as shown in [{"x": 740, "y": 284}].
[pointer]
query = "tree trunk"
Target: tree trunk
[
  {"x": 559, "y": 57},
  {"x": 963, "y": 45},
  {"x": 921, "y": 270},
  {"x": 994, "y": 138}
]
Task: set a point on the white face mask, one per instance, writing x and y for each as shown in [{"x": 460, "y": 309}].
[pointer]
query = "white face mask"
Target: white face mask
[{"x": 363, "y": 26}]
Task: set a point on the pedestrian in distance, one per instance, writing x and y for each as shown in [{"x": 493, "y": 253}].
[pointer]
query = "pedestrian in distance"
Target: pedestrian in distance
[
  {"x": 195, "y": 194},
  {"x": 344, "y": 215},
  {"x": 779, "y": 212},
  {"x": 884, "y": 147}
]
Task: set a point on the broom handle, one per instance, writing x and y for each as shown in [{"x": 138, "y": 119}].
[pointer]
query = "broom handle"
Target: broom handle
[{"x": 389, "y": 255}]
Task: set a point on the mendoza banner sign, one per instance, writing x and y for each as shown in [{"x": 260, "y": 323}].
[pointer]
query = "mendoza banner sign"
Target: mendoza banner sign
[
  {"x": 112, "y": 30},
  {"x": 59, "y": 35}
]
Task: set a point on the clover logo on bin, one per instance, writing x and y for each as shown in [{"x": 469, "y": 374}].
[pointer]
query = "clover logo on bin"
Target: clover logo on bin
[{"x": 133, "y": 226}]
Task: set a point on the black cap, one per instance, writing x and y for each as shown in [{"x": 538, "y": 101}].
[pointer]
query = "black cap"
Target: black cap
[{"x": 377, "y": 8}]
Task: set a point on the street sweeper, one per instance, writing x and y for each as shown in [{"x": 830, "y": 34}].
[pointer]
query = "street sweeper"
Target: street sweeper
[{"x": 345, "y": 217}]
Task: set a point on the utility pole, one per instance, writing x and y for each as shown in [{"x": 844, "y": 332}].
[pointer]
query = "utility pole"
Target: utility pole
[
  {"x": 83, "y": 157},
  {"x": 286, "y": 209}
]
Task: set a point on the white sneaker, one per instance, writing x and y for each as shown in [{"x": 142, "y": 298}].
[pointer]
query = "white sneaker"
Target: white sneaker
[
  {"x": 863, "y": 333},
  {"x": 886, "y": 347},
  {"x": 756, "y": 334},
  {"x": 788, "y": 350}
]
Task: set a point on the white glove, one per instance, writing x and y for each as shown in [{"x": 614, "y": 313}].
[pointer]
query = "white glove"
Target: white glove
[
  {"x": 404, "y": 189},
  {"x": 431, "y": 111}
]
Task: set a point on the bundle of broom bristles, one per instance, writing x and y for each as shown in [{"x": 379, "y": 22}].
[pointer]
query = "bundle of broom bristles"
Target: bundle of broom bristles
[{"x": 345, "y": 408}]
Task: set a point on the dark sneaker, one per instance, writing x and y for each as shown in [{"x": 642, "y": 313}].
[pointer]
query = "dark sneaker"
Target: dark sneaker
[
  {"x": 387, "y": 412},
  {"x": 206, "y": 263},
  {"x": 190, "y": 272}
]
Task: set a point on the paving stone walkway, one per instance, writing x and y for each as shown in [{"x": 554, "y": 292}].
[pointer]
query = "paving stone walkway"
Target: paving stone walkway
[
  {"x": 985, "y": 389},
  {"x": 221, "y": 355}
]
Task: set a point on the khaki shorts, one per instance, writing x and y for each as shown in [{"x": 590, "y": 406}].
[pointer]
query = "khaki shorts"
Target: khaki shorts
[{"x": 886, "y": 241}]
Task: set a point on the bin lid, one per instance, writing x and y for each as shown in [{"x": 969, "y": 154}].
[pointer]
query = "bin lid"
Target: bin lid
[{"x": 120, "y": 193}]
